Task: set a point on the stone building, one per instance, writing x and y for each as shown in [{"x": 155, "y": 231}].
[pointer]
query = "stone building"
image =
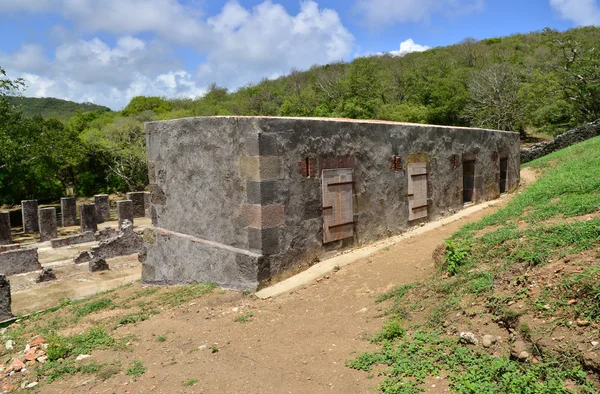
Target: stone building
[{"x": 240, "y": 200}]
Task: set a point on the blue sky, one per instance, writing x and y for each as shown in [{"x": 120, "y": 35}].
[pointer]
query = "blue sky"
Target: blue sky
[{"x": 107, "y": 51}]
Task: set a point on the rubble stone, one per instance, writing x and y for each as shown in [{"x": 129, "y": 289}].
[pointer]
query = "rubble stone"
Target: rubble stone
[{"x": 98, "y": 265}]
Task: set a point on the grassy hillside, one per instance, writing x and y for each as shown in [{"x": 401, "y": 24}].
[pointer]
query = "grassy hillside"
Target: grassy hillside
[
  {"x": 49, "y": 107},
  {"x": 523, "y": 281}
]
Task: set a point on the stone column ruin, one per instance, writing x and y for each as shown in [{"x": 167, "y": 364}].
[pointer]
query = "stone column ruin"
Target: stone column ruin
[
  {"x": 5, "y": 300},
  {"x": 5, "y": 237},
  {"x": 47, "y": 224},
  {"x": 68, "y": 208},
  {"x": 102, "y": 208},
  {"x": 138, "y": 200},
  {"x": 87, "y": 214},
  {"x": 124, "y": 211},
  {"x": 29, "y": 210}
]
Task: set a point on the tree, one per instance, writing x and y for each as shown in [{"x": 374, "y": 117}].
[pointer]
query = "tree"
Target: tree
[
  {"x": 139, "y": 104},
  {"x": 494, "y": 101},
  {"x": 362, "y": 90}
]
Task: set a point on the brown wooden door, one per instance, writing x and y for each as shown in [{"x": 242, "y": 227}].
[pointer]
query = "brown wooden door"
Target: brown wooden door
[
  {"x": 417, "y": 191},
  {"x": 338, "y": 207}
]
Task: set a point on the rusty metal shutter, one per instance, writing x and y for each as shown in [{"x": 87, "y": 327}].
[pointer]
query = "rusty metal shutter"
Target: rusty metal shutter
[
  {"x": 417, "y": 191},
  {"x": 338, "y": 206}
]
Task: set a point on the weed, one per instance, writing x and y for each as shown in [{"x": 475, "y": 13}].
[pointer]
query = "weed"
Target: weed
[
  {"x": 84, "y": 343},
  {"x": 457, "y": 255},
  {"x": 181, "y": 294},
  {"x": 244, "y": 318},
  {"x": 160, "y": 338},
  {"x": 214, "y": 348},
  {"x": 391, "y": 330},
  {"x": 92, "y": 307},
  {"x": 190, "y": 382},
  {"x": 136, "y": 369}
]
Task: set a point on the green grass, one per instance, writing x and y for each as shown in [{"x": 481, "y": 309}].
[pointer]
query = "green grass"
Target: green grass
[
  {"x": 410, "y": 359},
  {"x": 136, "y": 369},
  {"x": 91, "y": 307},
  {"x": 161, "y": 338},
  {"x": 244, "y": 318},
  {"x": 181, "y": 294},
  {"x": 65, "y": 346},
  {"x": 190, "y": 382}
]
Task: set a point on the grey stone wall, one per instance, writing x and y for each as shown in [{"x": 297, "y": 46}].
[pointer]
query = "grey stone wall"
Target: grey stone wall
[
  {"x": 564, "y": 140},
  {"x": 29, "y": 210},
  {"x": 5, "y": 230},
  {"x": 19, "y": 261},
  {"x": 87, "y": 217},
  {"x": 47, "y": 224},
  {"x": 243, "y": 194},
  {"x": 102, "y": 203},
  {"x": 138, "y": 201},
  {"x": 5, "y": 299},
  {"x": 68, "y": 209}
]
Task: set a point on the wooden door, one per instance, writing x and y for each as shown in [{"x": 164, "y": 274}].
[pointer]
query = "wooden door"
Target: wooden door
[
  {"x": 338, "y": 206},
  {"x": 417, "y": 191}
]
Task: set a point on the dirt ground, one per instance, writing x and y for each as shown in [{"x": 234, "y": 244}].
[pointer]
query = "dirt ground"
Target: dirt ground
[{"x": 295, "y": 343}]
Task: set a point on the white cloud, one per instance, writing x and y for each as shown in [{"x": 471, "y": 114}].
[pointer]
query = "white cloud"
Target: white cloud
[
  {"x": 268, "y": 41},
  {"x": 582, "y": 12},
  {"x": 409, "y": 46},
  {"x": 381, "y": 13},
  {"x": 237, "y": 46}
]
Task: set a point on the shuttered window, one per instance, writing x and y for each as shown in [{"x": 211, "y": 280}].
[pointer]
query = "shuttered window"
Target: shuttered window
[
  {"x": 417, "y": 191},
  {"x": 338, "y": 206}
]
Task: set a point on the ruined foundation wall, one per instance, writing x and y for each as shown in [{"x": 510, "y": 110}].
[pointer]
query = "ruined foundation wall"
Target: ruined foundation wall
[{"x": 242, "y": 196}]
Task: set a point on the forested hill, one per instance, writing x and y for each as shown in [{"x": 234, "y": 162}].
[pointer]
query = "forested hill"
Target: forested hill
[
  {"x": 49, "y": 107},
  {"x": 543, "y": 81}
]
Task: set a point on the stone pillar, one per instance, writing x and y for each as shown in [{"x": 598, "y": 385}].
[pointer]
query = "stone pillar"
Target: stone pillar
[
  {"x": 87, "y": 214},
  {"x": 102, "y": 208},
  {"x": 5, "y": 301},
  {"x": 148, "y": 204},
  {"x": 5, "y": 237},
  {"x": 138, "y": 199},
  {"x": 124, "y": 211},
  {"x": 47, "y": 225},
  {"x": 29, "y": 210},
  {"x": 68, "y": 208}
]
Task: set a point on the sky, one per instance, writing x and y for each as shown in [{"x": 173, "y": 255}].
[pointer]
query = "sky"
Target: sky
[{"x": 108, "y": 51}]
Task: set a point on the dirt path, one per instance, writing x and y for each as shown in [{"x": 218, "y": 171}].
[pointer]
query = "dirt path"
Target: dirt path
[{"x": 295, "y": 343}]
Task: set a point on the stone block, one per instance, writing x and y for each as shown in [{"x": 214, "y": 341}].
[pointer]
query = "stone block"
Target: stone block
[
  {"x": 68, "y": 209},
  {"x": 264, "y": 192},
  {"x": 86, "y": 237},
  {"x": 87, "y": 214},
  {"x": 265, "y": 241},
  {"x": 126, "y": 243},
  {"x": 138, "y": 200},
  {"x": 83, "y": 257},
  {"x": 124, "y": 211},
  {"x": 98, "y": 265},
  {"x": 102, "y": 203},
  {"x": 46, "y": 275},
  {"x": 5, "y": 299},
  {"x": 106, "y": 233},
  {"x": 47, "y": 224},
  {"x": 29, "y": 210},
  {"x": 19, "y": 261},
  {"x": 5, "y": 235}
]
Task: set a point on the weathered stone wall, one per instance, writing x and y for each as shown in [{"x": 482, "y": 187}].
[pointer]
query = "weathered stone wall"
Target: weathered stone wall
[
  {"x": 19, "y": 261},
  {"x": 564, "y": 140},
  {"x": 5, "y": 230},
  {"x": 238, "y": 199}
]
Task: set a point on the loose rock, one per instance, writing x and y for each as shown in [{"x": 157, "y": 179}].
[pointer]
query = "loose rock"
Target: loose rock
[
  {"x": 46, "y": 275},
  {"x": 469, "y": 338},
  {"x": 98, "y": 265},
  {"x": 488, "y": 341}
]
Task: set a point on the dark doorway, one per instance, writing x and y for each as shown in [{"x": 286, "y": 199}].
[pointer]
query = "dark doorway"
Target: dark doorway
[
  {"x": 503, "y": 175},
  {"x": 468, "y": 180}
]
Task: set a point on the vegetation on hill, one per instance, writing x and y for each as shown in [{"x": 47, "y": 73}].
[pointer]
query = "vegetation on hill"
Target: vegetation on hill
[
  {"x": 49, "y": 107},
  {"x": 544, "y": 82},
  {"x": 528, "y": 274}
]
